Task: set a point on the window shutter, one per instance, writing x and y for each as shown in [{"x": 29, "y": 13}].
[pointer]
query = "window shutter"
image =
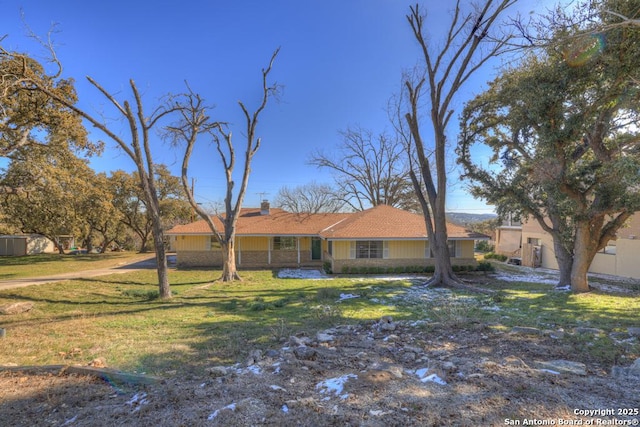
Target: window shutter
[
  {"x": 427, "y": 249},
  {"x": 385, "y": 249},
  {"x": 352, "y": 250},
  {"x": 458, "y": 249},
  {"x": 207, "y": 243}
]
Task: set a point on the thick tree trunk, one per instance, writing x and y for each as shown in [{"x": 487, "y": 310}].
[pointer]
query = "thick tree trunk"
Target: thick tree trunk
[
  {"x": 229, "y": 270},
  {"x": 161, "y": 261},
  {"x": 443, "y": 274},
  {"x": 565, "y": 262},
  {"x": 584, "y": 251}
]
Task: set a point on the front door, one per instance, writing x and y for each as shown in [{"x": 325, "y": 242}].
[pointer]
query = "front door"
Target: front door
[{"x": 316, "y": 248}]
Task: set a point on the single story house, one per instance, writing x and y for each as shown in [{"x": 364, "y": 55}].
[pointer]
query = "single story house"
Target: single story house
[{"x": 382, "y": 236}]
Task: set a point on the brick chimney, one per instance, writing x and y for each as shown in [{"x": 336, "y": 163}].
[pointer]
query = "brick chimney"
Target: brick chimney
[{"x": 264, "y": 207}]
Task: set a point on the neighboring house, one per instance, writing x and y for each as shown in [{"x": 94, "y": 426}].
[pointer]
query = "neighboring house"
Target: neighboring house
[
  {"x": 619, "y": 258},
  {"x": 25, "y": 244},
  {"x": 382, "y": 236},
  {"x": 509, "y": 238}
]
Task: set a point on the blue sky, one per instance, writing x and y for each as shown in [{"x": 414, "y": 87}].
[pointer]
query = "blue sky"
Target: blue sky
[{"x": 340, "y": 61}]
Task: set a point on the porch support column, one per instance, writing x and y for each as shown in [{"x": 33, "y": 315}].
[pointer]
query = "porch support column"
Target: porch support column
[
  {"x": 239, "y": 251},
  {"x": 298, "y": 245},
  {"x": 269, "y": 243}
]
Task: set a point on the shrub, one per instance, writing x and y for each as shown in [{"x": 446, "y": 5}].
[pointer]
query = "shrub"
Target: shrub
[
  {"x": 326, "y": 266},
  {"x": 485, "y": 266},
  {"x": 345, "y": 270},
  {"x": 492, "y": 255},
  {"x": 484, "y": 246}
]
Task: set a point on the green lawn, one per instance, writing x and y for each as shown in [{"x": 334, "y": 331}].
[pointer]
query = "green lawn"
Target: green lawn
[
  {"x": 206, "y": 323},
  {"x": 47, "y": 264}
]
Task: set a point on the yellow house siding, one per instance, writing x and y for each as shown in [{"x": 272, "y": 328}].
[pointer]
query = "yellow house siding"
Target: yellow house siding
[
  {"x": 466, "y": 249},
  {"x": 253, "y": 243},
  {"x": 341, "y": 249},
  {"x": 402, "y": 249},
  {"x": 191, "y": 243}
]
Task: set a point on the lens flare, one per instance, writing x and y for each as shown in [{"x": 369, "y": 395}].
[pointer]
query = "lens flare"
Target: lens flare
[{"x": 583, "y": 49}]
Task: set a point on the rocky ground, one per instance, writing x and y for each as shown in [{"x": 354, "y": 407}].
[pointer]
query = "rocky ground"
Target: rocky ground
[{"x": 383, "y": 373}]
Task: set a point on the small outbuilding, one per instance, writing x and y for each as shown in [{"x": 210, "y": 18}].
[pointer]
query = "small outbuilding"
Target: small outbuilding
[{"x": 25, "y": 244}]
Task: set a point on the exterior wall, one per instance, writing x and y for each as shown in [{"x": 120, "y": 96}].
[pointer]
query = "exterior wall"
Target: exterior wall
[
  {"x": 627, "y": 264},
  {"x": 401, "y": 253},
  {"x": 191, "y": 243},
  {"x": 466, "y": 250},
  {"x": 252, "y": 252},
  {"x": 39, "y": 245},
  {"x": 508, "y": 240},
  {"x": 198, "y": 259},
  {"x": 409, "y": 249},
  {"x": 632, "y": 228},
  {"x": 13, "y": 246},
  {"x": 532, "y": 230},
  {"x": 25, "y": 245},
  {"x": 624, "y": 262}
]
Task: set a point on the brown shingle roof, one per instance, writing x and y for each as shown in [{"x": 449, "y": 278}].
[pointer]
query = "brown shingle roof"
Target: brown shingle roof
[
  {"x": 386, "y": 222},
  {"x": 278, "y": 222},
  {"x": 380, "y": 222}
]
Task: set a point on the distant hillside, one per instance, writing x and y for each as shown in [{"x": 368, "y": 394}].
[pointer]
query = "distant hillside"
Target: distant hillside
[{"x": 465, "y": 219}]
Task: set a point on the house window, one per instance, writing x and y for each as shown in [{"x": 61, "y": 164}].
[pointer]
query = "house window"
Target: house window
[
  {"x": 534, "y": 241},
  {"x": 453, "y": 246},
  {"x": 427, "y": 250},
  {"x": 281, "y": 243},
  {"x": 369, "y": 249}
]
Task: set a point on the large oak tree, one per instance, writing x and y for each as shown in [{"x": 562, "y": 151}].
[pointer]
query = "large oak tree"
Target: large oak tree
[{"x": 562, "y": 130}]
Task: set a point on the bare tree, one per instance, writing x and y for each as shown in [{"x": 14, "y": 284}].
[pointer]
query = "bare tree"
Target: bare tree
[
  {"x": 309, "y": 198},
  {"x": 369, "y": 170},
  {"x": 467, "y": 46},
  {"x": 136, "y": 143},
  {"x": 195, "y": 122}
]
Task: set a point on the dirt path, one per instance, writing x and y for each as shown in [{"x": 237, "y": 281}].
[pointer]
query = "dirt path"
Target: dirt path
[{"x": 143, "y": 263}]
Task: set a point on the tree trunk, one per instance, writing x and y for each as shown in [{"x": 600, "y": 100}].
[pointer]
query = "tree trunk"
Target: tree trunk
[
  {"x": 584, "y": 252},
  {"x": 161, "y": 261},
  {"x": 443, "y": 274},
  {"x": 59, "y": 246},
  {"x": 143, "y": 243},
  {"x": 229, "y": 271},
  {"x": 565, "y": 262}
]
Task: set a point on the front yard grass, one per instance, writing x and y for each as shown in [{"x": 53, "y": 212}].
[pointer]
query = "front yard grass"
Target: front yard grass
[
  {"x": 116, "y": 317},
  {"x": 50, "y": 264},
  {"x": 206, "y": 323}
]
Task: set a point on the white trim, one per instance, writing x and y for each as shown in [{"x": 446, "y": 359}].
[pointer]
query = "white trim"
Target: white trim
[{"x": 385, "y": 249}]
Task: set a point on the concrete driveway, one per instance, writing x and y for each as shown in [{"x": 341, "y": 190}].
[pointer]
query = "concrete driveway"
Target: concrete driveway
[{"x": 148, "y": 263}]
